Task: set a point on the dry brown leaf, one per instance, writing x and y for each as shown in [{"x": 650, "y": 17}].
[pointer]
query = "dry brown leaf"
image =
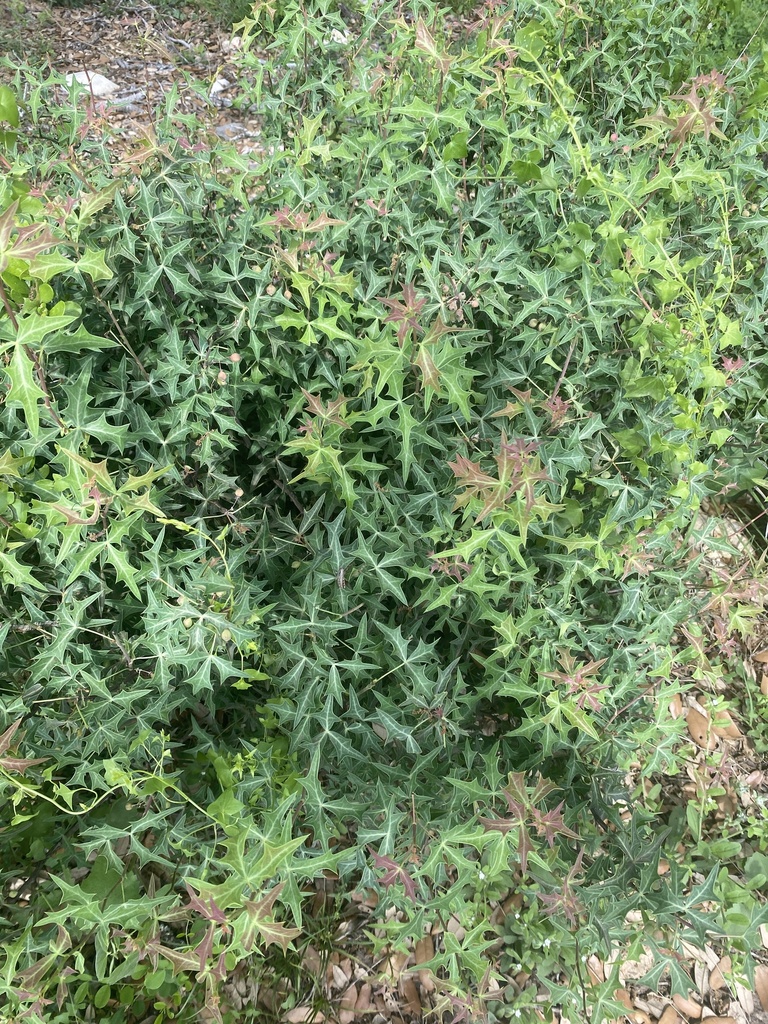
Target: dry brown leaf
[
  {"x": 699, "y": 729},
  {"x": 761, "y": 657},
  {"x": 745, "y": 998},
  {"x": 596, "y": 970},
  {"x": 337, "y": 978},
  {"x": 311, "y": 961},
  {"x": 761, "y": 985},
  {"x": 394, "y": 964},
  {"x": 688, "y": 1007},
  {"x": 424, "y": 951},
  {"x": 717, "y": 977},
  {"x": 300, "y": 1014},
  {"x": 726, "y": 726},
  {"x": 726, "y": 804},
  {"x": 764, "y": 686},
  {"x": 348, "y": 1005},
  {"x": 721, "y": 1020},
  {"x": 701, "y": 978},
  {"x": 411, "y": 996},
  {"x": 455, "y": 927},
  {"x": 513, "y": 902},
  {"x": 754, "y": 780},
  {"x": 363, "y": 1003},
  {"x": 623, "y": 997},
  {"x": 638, "y": 1017},
  {"x": 670, "y": 1016}
]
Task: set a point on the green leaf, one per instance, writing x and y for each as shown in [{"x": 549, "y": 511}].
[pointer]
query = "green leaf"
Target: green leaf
[
  {"x": 79, "y": 340},
  {"x": 93, "y": 263},
  {"x": 528, "y": 42},
  {"x": 24, "y": 388},
  {"x": 19, "y": 574},
  {"x": 48, "y": 265},
  {"x": 456, "y": 149},
  {"x": 125, "y": 572},
  {"x": 9, "y": 109},
  {"x": 33, "y": 327},
  {"x": 90, "y": 552},
  {"x": 646, "y": 387}
]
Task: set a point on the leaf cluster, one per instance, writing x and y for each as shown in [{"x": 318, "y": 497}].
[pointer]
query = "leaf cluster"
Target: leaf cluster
[{"x": 347, "y": 497}]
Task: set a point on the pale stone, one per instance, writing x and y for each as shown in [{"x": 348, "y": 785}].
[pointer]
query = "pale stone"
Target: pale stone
[{"x": 100, "y": 86}]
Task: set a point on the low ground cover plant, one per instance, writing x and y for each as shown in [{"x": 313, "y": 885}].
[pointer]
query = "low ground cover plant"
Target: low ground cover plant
[{"x": 350, "y": 503}]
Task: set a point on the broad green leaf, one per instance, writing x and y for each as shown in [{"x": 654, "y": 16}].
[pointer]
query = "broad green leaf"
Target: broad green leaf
[
  {"x": 9, "y": 109},
  {"x": 456, "y": 149},
  {"x": 646, "y": 387}
]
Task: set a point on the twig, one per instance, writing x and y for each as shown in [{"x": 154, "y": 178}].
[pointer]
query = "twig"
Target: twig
[
  {"x": 121, "y": 333},
  {"x": 564, "y": 370},
  {"x": 47, "y": 399},
  {"x": 8, "y": 307}
]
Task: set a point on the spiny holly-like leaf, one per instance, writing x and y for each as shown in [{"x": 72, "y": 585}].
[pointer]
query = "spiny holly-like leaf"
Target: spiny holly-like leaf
[
  {"x": 405, "y": 313},
  {"x": 7, "y": 736},
  {"x": 273, "y": 932},
  {"x": 124, "y": 570},
  {"x": 330, "y": 413},
  {"x": 430, "y": 375},
  {"x": 425, "y": 41},
  {"x": 24, "y": 388},
  {"x": 20, "y": 574},
  {"x": 19, "y": 765},
  {"x": 394, "y": 873},
  {"x": 33, "y": 327},
  {"x": 29, "y": 241},
  {"x": 93, "y": 263},
  {"x": 205, "y": 906}
]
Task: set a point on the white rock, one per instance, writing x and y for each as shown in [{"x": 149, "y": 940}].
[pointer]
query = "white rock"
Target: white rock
[
  {"x": 339, "y": 37},
  {"x": 100, "y": 86},
  {"x": 231, "y": 130},
  {"x": 228, "y": 45},
  {"x": 220, "y": 85}
]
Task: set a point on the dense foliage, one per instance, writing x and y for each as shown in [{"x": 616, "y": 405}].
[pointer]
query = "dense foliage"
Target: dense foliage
[
  {"x": 729, "y": 30},
  {"x": 349, "y": 498}
]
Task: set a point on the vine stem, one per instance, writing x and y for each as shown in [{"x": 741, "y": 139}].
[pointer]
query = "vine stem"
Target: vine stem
[
  {"x": 564, "y": 370},
  {"x": 121, "y": 333},
  {"x": 47, "y": 399},
  {"x": 8, "y": 306},
  {"x": 581, "y": 980}
]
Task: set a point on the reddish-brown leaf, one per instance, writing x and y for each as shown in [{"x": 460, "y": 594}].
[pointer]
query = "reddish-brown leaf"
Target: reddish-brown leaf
[{"x": 394, "y": 872}]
